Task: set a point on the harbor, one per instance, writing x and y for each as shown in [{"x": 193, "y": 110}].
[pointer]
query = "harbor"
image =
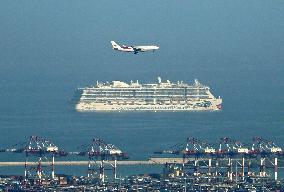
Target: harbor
[
  {"x": 142, "y": 96},
  {"x": 195, "y": 165}
]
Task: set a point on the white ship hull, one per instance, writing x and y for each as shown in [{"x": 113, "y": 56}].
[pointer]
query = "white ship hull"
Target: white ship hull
[
  {"x": 161, "y": 96},
  {"x": 93, "y": 106}
]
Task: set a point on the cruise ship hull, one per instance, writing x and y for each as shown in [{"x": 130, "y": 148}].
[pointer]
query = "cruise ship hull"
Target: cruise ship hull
[{"x": 93, "y": 106}]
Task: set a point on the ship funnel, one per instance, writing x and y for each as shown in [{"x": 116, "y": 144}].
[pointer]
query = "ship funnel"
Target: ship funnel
[
  {"x": 196, "y": 82},
  {"x": 159, "y": 80}
]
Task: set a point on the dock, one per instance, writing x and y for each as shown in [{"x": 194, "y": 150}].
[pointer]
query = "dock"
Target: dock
[{"x": 151, "y": 161}]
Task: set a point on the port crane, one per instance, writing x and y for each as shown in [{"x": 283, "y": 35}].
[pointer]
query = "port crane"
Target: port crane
[
  {"x": 230, "y": 150},
  {"x": 199, "y": 150},
  {"x": 104, "y": 152},
  {"x": 39, "y": 149},
  {"x": 194, "y": 148},
  {"x": 230, "y": 147},
  {"x": 266, "y": 148}
]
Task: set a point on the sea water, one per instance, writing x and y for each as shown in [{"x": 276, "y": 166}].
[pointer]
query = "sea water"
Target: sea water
[{"x": 49, "y": 50}]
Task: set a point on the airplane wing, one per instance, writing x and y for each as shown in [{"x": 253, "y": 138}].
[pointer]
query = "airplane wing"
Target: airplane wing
[{"x": 136, "y": 50}]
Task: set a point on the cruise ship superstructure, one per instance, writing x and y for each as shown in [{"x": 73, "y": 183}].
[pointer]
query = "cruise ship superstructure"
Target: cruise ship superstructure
[{"x": 161, "y": 96}]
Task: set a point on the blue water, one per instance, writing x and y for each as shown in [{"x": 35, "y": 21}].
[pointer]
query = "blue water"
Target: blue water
[{"x": 48, "y": 49}]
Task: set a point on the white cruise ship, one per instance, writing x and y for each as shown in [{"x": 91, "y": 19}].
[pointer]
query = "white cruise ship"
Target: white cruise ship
[{"x": 161, "y": 96}]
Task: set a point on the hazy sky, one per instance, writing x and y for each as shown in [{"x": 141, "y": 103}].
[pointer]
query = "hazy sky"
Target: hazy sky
[
  {"x": 65, "y": 43},
  {"x": 75, "y": 35}
]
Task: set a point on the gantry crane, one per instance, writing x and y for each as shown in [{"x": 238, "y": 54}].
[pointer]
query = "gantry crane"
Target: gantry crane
[
  {"x": 199, "y": 150},
  {"x": 98, "y": 149},
  {"x": 231, "y": 148},
  {"x": 193, "y": 148},
  {"x": 43, "y": 150},
  {"x": 266, "y": 148}
]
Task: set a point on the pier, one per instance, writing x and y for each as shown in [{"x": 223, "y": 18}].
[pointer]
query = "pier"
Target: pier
[
  {"x": 151, "y": 161},
  {"x": 191, "y": 165}
]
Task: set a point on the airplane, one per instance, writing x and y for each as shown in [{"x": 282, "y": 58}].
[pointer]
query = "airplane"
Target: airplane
[{"x": 134, "y": 49}]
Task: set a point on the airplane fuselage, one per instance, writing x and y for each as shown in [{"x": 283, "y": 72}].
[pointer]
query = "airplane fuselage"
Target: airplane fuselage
[
  {"x": 126, "y": 48},
  {"x": 134, "y": 49},
  {"x": 146, "y": 48}
]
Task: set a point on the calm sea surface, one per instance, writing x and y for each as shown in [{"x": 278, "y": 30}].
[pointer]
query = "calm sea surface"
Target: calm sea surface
[{"x": 249, "y": 109}]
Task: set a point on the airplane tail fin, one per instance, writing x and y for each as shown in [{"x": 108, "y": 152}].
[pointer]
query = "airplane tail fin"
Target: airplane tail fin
[{"x": 115, "y": 45}]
